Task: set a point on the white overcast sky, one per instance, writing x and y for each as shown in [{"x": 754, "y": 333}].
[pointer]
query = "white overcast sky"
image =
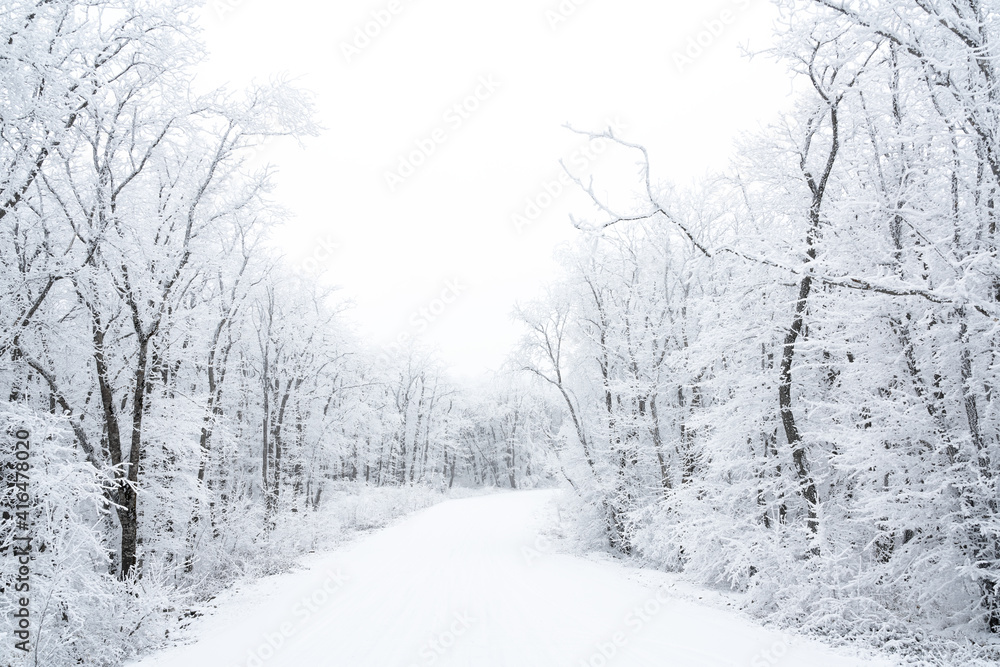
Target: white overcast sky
[{"x": 450, "y": 222}]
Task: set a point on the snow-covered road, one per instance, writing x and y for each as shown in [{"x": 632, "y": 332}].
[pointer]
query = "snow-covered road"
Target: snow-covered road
[{"x": 468, "y": 583}]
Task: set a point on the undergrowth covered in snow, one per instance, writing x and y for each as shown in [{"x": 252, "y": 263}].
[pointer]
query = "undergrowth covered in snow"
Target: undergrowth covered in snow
[
  {"x": 83, "y": 614},
  {"x": 804, "y": 597}
]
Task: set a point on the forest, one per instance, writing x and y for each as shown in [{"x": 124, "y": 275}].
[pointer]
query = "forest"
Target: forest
[
  {"x": 784, "y": 380},
  {"x": 780, "y": 381},
  {"x": 195, "y": 410}
]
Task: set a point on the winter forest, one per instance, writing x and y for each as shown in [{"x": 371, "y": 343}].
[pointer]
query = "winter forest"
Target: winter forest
[{"x": 778, "y": 383}]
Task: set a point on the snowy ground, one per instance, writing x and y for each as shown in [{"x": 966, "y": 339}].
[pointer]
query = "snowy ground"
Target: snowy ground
[{"x": 474, "y": 583}]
